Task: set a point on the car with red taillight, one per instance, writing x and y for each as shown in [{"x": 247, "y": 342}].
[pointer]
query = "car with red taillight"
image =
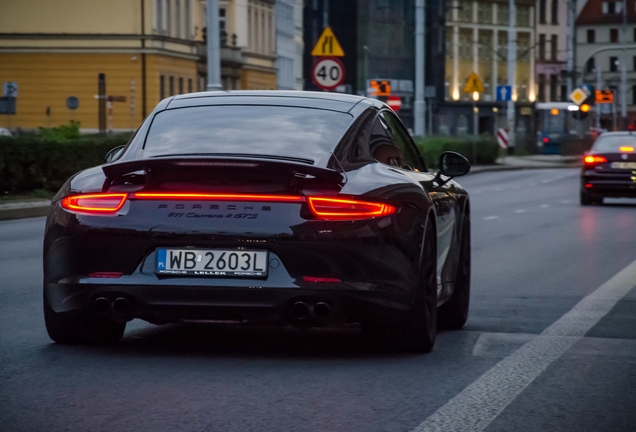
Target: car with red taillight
[
  {"x": 609, "y": 168},
  {"x": 288, "y": 208}
]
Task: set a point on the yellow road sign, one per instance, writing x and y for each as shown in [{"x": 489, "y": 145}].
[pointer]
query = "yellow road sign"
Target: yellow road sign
[
  {"x": 578, "y": 96},
  {"x": 327, "y": 45},
  {"x": 474, "y": 84},
  {"x": 604, "y": 96}
]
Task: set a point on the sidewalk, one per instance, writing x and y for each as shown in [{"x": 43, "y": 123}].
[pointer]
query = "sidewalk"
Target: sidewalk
[
  {"x": 24, "y": 209},
  {"x": 529, "y": 162}
]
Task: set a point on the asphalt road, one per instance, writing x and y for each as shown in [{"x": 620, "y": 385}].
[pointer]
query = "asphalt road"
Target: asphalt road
[{"x": 550, "y": 344}]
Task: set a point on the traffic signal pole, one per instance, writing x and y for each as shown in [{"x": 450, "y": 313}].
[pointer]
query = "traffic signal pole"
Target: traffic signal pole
[
  {"x": 624, "y": 120},
  {"x": 512, "y": 72},
  {"x": 419, "y": 110}
]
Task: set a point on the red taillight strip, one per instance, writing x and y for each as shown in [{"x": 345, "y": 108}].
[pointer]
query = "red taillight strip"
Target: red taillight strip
[
  {"x": 338, "y": 208},
  {"x": 594, "y": 159},
  {"x": 90, "y": 203},
  {"x": 216, "y": 196}
]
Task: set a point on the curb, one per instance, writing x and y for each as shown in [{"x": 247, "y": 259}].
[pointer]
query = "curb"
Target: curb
[
  {"x": 518, "y": 168},
  {"x": 23, "y": 210}
]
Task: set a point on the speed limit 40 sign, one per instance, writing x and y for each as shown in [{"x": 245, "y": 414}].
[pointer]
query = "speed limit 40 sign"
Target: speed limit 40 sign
[{"x": 328, "y": 73}]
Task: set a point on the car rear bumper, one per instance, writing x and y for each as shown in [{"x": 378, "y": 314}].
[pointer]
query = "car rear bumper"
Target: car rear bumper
[
  {"x": 615, "y": 189},
  {"x": 191, "y": 303}
]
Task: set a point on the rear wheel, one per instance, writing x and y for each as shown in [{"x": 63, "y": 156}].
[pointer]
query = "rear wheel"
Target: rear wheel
[
  {"x": 418, "y": 332},
  {"x": 82, "y": 328},
  {"x": 454, "y": 313}
]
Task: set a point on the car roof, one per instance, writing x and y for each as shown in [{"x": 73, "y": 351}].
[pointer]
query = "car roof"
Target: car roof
[{"x": 323, "y": 100}]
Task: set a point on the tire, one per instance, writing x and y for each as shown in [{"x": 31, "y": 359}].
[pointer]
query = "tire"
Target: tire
[
  {"x": 418, "y": 332},
  {"x": 454, "y": 313},
  {"x": 82, "y": 328}
]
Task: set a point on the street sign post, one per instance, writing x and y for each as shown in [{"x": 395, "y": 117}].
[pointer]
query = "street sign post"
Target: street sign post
[
  {"x": 502, "y": 138},
  {"x": 327, "y": 45},
  {"x": 328, "y": 73},
  {"x": 504, "y": 93}
]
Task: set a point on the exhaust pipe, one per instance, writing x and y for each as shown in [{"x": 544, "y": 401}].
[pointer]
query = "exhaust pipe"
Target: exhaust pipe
[
  {"x": 121, "y": 306},
  {"x": 101, "y": 305},
  {"x": 322, "y": 310},
  {"x": 300, "y": 311}
]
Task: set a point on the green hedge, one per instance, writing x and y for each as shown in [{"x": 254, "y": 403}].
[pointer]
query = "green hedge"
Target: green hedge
[
  {"x": 45, "y": 162},
  {"x": 486, "y": 147}
]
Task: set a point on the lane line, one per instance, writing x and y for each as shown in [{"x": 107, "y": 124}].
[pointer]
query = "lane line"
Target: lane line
[
  {"x": 491, "y": 217},
  {"x": 521, "y": 211},
  {"x": 545, "y": 205},
  {"x": 481, "y": 402}
]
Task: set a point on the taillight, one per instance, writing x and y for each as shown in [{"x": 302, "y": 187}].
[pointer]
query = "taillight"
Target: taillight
[
  {"x": 95, "y": 204},
  {"x": 347, "y": 209},
  {"x": 592, "y": 160},
  {"x": 195, "y": 196}
]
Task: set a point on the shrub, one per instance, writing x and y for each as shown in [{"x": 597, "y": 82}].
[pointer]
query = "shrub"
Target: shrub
[
  {"x": 60, "y": 133},
  {"x": 486, "y": 147},
  {"x": 38, "y": 161}
]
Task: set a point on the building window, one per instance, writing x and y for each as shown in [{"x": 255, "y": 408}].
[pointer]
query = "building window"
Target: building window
[
  {"x": 523, "y": 16},
  {"x": 465, "y": 46},
  {"x": 168, "y": 18},
  {"x": 591, "y": 36},
  {"x": 162, "y": 87},
  {"x": 484, "y": 47},
  {"x": 189, "y": 85},
  {"x": 634, "y": 95},
  {"x": 159, "y": 16},
  {"x": 554, "y": 84},
  {"x": 555, "y": 11},
  {"x": 177, "y": 10},
  {"x": 180, "y": 85},
  {"x": 613, "y": 35},
  {"x": 523, "y": 46},
  {"x": 554, "y": 48},
  {"x": 590, "y": 65},
  {"x": 541, "y": 47},
  {"x": 542, "y": 19},
  {"x": 635, "y": 63},
  {"x": 611, "y": 8},
  {"x": 541, "y": 95},
  {"x": 188, "y": 20},
  {"x": 171, "y": 85},
  {"x": 484, "y": 13},
  {"x": 502, "y": 13},
  {"x": 223, "y": 26},
  {"x": 502, "y": 45},
  {"x": 465, "y": 13},
  {"x": 613, "y": 64}
]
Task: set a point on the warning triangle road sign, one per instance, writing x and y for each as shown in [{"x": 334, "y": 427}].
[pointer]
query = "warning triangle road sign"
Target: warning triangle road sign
[
  {"x": 474, "y": 84},
  {"x": 327, "y": 45}
]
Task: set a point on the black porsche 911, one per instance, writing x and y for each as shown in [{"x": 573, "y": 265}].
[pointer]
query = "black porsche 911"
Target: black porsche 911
[
  {"x": 309, "y": 209},
  {"x": 609, "y": 168}
]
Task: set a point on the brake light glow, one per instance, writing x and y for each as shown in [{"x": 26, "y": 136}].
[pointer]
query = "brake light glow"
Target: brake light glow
[
  {"x": 347, "y": 209},
  {"x": 626, "y": 149},
  {"x": 594, "y": 159},
  {"x": 588, "y": 185},
  {"x": 546, "y": 139},
  {"x": 99, "y": 203},
  {"x": 216, "y": 197},
  {"x": 317, "y": 279}
]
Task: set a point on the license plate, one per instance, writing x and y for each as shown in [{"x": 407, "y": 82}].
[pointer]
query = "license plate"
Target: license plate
[
  {"x": 212, "y": 262},
  {"x": 624, "y": 165}
]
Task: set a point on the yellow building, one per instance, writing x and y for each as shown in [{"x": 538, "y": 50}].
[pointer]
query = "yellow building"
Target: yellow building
[{"x": 145, "y": 50}]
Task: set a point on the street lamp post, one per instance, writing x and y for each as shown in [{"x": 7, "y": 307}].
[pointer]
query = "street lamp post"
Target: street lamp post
[{"x": 214, "y": 46}]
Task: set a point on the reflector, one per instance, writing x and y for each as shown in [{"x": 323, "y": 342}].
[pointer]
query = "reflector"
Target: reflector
[
  {"x": 100, "y": 203},
  {"x": 317, "y": 279},
  {"x": 347, "y": 209}
]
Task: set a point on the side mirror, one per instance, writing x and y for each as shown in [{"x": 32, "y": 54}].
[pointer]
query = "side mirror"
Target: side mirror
[
  {"x": 453, "y": 164},
  {"x": 114, "y": 154}
]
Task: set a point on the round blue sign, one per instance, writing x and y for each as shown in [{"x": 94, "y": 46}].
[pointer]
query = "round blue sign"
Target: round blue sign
[{"x": 72, "y": 103}]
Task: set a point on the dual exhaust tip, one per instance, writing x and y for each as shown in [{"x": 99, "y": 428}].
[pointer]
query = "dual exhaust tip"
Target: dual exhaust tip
[
  {"x": 120, "y": 306},
  {"x": 301, "y": 311}
]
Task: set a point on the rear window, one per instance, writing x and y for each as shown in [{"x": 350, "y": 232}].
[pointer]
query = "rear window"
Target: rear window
[
  {"x": 293, "y": 132},
  {"x": 613, "y": 144}
]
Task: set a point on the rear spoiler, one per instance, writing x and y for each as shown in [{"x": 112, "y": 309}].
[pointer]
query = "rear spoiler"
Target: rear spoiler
[{"x": 153, "y": 167}]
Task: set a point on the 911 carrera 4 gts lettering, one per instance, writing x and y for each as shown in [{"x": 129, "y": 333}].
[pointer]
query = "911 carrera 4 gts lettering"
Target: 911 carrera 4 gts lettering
[{"x": 214, "y": 216}]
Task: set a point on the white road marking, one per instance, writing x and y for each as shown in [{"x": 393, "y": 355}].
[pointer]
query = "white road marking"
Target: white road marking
[
  {"x": 521, "y": 211},
  {"x": 566, "y": 201},
  {"x": 481, "y": 402},
  {"x": 545, "y": 205},
  {"x": 491, "y": 217}
]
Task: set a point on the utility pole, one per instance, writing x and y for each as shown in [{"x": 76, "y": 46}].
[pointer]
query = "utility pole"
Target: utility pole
[
  {"x": 214, "y": 46},
  {"x": 512, "y": 71},
  {"x": 419, "y": 112},
  {"x": 325, "y": 13},
  {"x": 624, "y": 120},
  {"x": 571, "y": 81}
]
